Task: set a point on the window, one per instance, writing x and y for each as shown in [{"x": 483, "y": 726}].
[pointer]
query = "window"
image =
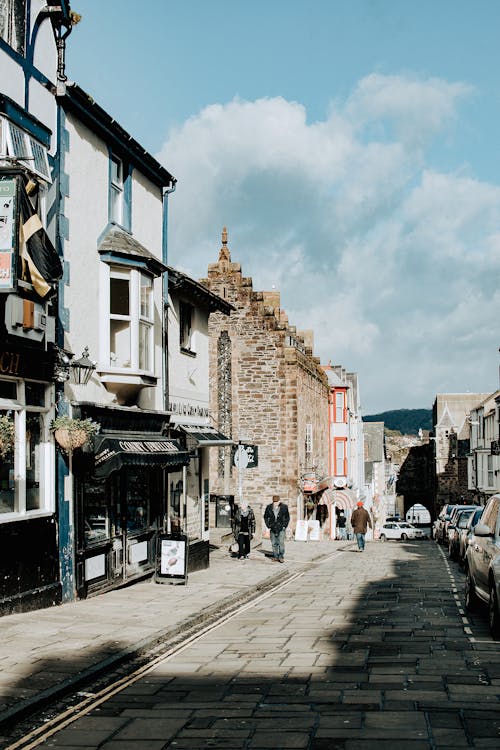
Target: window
[
  {"x": 17, "y": 142},
  {"x": 131, "y": 319},
  {"x": 490, "y": 514},
  {"x": 186, "y": 313},
  {"x": 309, "y": 444},
  {"x": 26, "y": 485},
  {"x": 340, "y": 457},
  {"x": 339, "y": 406},
  {"x": 116, "y": 190},
  {"x": 13, "y": 23},
  {"x": 491, "y": 476}
]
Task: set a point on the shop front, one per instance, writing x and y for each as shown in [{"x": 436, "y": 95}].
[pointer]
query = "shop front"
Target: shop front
[{"x": 121, "y": 499}]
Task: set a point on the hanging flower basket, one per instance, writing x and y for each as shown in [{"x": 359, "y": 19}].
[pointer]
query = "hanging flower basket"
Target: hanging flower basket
[
  {"x": 6, "y": 435},
  {"x": 71, "y": 434}
]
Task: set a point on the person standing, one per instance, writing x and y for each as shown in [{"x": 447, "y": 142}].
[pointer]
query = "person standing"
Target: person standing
[
  {"x": 243, "y": 528},
  {"x": 360, "y": 520},
  {"x": 277, "y": 518}
]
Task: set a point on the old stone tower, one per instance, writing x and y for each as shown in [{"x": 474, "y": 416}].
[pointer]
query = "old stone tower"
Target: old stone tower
[{"x": 266, "y": 388}]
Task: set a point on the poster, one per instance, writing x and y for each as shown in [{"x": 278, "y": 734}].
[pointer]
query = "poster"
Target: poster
[
  {"x": 173, "y": 554},
  {"x": 314, "y": 531},
  {"x": 301, "y": 531}
]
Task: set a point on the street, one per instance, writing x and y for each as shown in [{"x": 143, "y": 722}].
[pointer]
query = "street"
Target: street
[{"x": 360, "y": 650}]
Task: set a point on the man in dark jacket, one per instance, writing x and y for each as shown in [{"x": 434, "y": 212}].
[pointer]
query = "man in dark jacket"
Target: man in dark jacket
[
  {"x": 277, "y": 518},
  {"x": 360, "y": 520}
]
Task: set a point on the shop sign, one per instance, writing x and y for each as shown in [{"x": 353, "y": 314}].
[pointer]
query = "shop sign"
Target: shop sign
[{"x": 188, "y": 410}]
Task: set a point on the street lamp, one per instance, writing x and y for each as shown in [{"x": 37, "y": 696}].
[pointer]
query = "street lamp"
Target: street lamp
[{"x": 83, "y": 368}]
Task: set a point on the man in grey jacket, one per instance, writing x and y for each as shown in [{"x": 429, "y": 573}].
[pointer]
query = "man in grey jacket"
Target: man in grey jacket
[{"x": 277, "y": 518}]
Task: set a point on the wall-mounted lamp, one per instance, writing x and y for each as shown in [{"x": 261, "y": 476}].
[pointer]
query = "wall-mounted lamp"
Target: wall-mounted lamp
[{"x": 83, "y": 368}]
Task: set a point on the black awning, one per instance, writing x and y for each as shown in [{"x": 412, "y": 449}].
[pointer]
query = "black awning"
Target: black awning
[
  {"x": 113, "y": 452},
  {"x": 205, "y": 435}
]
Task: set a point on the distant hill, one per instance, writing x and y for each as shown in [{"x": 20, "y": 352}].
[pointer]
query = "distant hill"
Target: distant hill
[{"x": 406, "y": 421}]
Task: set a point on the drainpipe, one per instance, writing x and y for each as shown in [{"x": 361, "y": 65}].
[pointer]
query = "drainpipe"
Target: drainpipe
[{"x": 164, "y": 342}]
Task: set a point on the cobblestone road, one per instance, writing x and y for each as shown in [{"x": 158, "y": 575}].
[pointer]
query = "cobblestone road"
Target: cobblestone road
[{"x": 363, "y": 650}]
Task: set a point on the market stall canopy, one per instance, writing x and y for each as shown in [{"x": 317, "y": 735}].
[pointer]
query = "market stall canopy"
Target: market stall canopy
[
  {"x": 204, "y": 435},
  {"x": 114, "y": 452}
]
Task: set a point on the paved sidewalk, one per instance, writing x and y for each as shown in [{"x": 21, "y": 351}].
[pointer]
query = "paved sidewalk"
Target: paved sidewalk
[{"x": 47, "y": 651}]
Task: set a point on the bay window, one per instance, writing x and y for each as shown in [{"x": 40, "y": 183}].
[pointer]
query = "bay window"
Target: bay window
[{"x": 130, "y": 319}]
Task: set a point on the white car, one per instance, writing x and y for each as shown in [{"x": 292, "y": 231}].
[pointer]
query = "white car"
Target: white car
[{"x": 400, "y": 530}]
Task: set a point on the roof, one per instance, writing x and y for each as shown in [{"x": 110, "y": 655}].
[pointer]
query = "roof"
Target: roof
[
  {"x": 185, "y": 285},
  {"x": 120, "y": 244},
  {"x": 76, "y": 100}
]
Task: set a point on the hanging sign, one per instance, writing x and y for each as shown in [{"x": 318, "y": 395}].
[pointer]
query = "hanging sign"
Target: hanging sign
[{"x": 245, "y": 456}]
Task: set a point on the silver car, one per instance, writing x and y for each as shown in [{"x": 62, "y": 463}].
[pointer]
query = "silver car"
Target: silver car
[{"x": 482, "y": 564}]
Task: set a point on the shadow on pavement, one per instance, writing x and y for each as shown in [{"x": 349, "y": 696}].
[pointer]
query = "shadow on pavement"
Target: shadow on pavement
[{"x": 365, "y": 651}]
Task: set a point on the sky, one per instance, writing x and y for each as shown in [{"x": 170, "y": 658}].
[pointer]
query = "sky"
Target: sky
[{"x": 350, "y": 147}]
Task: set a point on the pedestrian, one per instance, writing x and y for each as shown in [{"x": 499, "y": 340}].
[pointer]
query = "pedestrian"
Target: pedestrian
[
  {"x": 277, "y": 518},
  {"x": 360, "y": 520},
  {"x": 243, "y": 524},
  {"x": 341, "y": 524}
]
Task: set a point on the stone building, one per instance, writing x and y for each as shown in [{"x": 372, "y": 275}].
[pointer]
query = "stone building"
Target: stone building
[{"x": 266, "y": 389}]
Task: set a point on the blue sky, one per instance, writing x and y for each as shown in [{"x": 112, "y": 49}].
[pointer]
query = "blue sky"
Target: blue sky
[{"x": 351, "y": 148}]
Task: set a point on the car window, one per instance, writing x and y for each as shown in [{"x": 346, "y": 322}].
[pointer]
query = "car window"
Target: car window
[
  {"x": 405, "y": 526},
  {"x": 490, "y": 513},
  {"x": 463, "y": 520}
]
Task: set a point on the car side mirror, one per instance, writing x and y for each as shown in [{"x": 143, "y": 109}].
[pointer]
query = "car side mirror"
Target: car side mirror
[{"x": 481, "y": 529}]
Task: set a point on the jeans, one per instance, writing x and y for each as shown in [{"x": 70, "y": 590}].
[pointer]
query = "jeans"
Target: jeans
[
  {"x": 243, "y": 545},
  {"x": 360, "y": 539},
  {"x": 342, "y": 532},
  {"x": 278, "y": 543}
]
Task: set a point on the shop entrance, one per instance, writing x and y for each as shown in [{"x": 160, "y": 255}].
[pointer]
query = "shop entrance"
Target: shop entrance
[{"x": 120, "y": 516}]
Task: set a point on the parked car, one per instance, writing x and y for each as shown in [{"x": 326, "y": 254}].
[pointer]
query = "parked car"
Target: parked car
[
  {"x": 439, "y": 523},
  {"x": 466, "y": 534},
  {"x": 482, "y": 565},
  {"x": 400, "y": 530},
  {"x": 457, "y": 523}
]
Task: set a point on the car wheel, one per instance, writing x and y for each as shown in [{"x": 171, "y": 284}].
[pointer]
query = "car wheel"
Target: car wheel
[
  {"x": 404, "y": 537},
  {"x": 494, "y": 613},
  {"x": 383, "y": 538},
  {"x": 471, "y": 600}
]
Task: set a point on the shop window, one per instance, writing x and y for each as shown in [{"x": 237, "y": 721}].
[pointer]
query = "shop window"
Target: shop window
[
  {"x": 26, "y": 480},
  {"x": 186, "y": 314},
  {"x": 13, "y": 24},
  {"x": 131, "y": 319},
  {"x": 491, "y": 475}
]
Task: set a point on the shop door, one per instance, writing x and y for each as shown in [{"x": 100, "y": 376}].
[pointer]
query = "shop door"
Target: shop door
[{"x": 139, "y": 509}]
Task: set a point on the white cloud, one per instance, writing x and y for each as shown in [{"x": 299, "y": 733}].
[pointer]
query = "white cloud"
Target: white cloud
[{"x": 394, "y": 265}]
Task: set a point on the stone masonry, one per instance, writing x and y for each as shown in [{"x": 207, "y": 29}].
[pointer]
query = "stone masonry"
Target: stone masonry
[{"x": 265, "y": 387}]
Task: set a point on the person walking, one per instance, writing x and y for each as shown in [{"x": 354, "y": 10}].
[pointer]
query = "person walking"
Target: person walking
[
  {"x": 341, "y": 524},
  {"x": 243, "y": 528},
  {"x": 360, "y": 520},
  {"x": 277, "y": 518}
]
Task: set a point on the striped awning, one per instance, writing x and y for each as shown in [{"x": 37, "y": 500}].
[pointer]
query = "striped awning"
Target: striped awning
[{"x": 345, "y": 499}]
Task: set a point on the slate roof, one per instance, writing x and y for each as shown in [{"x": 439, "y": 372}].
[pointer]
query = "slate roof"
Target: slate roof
[{"x": 120, "y": 243}]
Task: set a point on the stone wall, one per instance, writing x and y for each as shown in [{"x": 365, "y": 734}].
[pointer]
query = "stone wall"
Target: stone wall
[{"x": 270, "y": 385}]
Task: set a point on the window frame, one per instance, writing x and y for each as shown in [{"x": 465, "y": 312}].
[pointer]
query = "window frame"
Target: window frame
[
  {"x": 339, "y": 410},
  {"x": 134, "y": 319},
  {"x": 119, "y": 192},
  {"x": 336, "y": 458},
  {"x": 17, "y": 142},
  {"x": 186, "y": 327},
  {"x": 11, "y": 38}
]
